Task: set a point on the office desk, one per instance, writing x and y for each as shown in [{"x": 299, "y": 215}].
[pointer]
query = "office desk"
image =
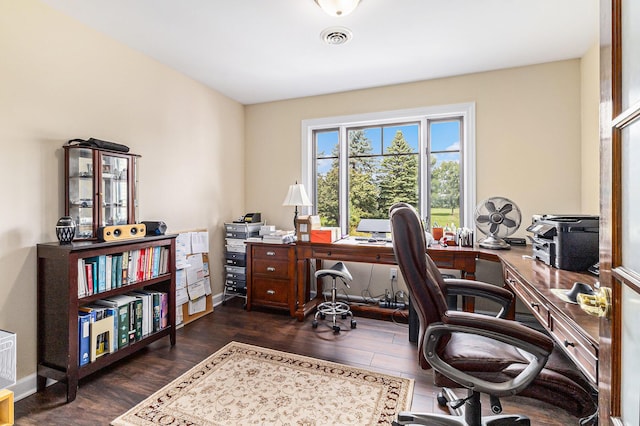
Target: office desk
[
  {"x": 453, "y": 257},
  {"x": 532, "y": 281}
]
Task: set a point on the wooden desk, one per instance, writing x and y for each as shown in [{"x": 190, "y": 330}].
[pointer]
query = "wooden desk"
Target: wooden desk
[
  {"x": 531, "y": 280},
  {"x": 459, "y": 258}
]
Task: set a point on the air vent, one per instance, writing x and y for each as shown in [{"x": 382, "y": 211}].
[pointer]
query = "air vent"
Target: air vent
[{"x": 336, "y": 35}]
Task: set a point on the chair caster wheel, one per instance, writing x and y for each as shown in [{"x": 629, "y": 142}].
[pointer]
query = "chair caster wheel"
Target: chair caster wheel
[
  {"x": 344, "y": 316},
  {"x": 442, "y": 401},
  {"x": 314, "y": 324},
  {"x": 323, "y": 316},
  {"x": 336, "y": 329},
  {"x": 353, "y": 323},
  {"x": 224, "y": 302}
]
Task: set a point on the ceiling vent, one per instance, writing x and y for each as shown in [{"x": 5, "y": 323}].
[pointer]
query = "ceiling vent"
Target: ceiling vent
[{"x": 336, "y": 35}]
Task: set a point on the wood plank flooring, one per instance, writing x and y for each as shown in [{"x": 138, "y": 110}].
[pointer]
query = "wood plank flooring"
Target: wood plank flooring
[{"x": 374, "y": 344}]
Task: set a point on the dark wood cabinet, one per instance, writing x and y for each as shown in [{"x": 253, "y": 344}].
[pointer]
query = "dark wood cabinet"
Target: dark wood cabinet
[
  {"x": 100, "y": 188},
  {"x": 59, "y": 301},
  {"x": 271, "y": 276}
]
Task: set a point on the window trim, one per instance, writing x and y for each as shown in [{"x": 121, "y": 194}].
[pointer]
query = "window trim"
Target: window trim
[{"x": 422, "y": 115}]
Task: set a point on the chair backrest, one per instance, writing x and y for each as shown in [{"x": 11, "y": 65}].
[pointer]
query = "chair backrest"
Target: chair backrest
[{"x": 425, "y": 285}]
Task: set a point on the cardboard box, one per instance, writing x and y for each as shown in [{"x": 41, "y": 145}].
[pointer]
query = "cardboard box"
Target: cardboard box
[
  {"x": 325, "y": 235},
  {"x": 304, "y": 225}
]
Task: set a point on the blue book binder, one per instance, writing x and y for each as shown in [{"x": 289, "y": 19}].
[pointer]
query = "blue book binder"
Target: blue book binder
[{"x": 84, "y": 320}]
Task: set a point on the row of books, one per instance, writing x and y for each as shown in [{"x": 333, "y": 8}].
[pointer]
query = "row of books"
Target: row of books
[
  {"x": 127, "y": 317},
  {"x": 105, "y": 272}
]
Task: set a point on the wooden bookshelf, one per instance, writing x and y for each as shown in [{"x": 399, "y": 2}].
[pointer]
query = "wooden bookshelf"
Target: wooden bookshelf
[{"x": 58, "y": 303}]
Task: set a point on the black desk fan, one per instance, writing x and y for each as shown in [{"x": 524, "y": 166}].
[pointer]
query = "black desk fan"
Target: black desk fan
[{"x": 497, "y": 218}]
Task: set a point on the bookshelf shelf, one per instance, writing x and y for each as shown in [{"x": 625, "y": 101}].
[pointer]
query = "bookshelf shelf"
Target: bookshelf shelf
[{"x": 59, "y": 301}]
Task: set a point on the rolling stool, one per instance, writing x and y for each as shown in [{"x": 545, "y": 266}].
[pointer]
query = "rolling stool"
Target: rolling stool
[{"x": 333, "y": 307}]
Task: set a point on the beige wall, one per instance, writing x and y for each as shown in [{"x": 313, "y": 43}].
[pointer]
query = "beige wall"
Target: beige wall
[
  {"x": 528, "y": 135},
  {"x": 528, "y": 140},
  {"x": 60, "y": 80},
  {"x": 590, "y": 90}
]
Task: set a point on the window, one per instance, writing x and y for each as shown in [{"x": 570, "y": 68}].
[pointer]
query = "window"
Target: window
[{"x": 356, "y": 167}]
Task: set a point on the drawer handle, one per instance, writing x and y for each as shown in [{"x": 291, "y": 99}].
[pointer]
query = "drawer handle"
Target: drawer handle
[
  {"x": 271, "y": 292},
  {"x": 535, "y": 305},
  {"x": 271, "y": 269},
  {"x": 271, "y": 253},
  {"x": 568, "y": 343}
]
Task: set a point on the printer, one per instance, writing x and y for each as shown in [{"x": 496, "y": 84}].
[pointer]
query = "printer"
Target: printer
[{"x": 567, "y": 242}]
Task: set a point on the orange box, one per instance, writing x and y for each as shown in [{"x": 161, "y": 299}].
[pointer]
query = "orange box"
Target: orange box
[{"x": 325, "y": 235}]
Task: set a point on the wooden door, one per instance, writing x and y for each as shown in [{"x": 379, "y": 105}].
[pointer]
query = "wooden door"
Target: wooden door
[{"x": 619, "y": 375}]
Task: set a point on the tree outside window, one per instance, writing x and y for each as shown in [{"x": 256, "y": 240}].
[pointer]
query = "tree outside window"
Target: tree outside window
[{"x": 419, "y": 162}]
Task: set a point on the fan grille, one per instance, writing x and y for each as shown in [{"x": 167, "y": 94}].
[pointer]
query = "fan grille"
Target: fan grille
[{"x": 498, "y": 216}]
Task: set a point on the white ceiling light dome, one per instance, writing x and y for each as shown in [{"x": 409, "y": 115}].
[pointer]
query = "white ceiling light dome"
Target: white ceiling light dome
[{"x": 338, "y": 7}]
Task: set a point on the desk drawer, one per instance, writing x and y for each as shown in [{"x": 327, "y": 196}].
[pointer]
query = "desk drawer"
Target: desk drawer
[
  {"x": 268, "y": 292},
  {"x": 533, "y": 302},
  {"x": 272, "y": 267},
  {"x": 579, "y": 349},
  {"x": 271, "y": 252}
]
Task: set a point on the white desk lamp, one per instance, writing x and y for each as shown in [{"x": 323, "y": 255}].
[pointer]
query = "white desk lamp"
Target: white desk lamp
[{"x": 297, "y": 196}]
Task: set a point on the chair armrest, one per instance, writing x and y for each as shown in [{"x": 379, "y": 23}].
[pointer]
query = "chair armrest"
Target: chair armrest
[
  {"x": 501, "y": 330},
  {"x": 460, "y": 287}
]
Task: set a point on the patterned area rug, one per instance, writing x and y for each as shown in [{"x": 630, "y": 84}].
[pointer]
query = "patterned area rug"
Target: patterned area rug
[{"x": 248, "y": 385}]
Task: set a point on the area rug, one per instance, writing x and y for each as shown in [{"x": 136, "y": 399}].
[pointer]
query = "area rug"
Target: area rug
[{"x": 248, "y": 385}]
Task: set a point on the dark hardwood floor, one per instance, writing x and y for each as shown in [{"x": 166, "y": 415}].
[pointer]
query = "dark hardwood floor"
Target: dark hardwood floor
[{"x": 374, "y": 344}]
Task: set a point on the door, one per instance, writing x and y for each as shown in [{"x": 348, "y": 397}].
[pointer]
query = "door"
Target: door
[{"x": 619, "y": 375}]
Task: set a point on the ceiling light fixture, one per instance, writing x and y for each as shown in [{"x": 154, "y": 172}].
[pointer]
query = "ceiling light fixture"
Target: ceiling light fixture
[{"x": 338, "y": 7}]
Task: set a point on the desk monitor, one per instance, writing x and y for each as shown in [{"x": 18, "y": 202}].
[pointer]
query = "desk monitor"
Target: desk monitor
[{"x": 378, "y": 228}]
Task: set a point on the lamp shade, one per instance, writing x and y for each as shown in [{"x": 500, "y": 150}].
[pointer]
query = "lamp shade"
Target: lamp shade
[
  {"x": 338, "y": 7},
  {"x": 297, "y": 196}
]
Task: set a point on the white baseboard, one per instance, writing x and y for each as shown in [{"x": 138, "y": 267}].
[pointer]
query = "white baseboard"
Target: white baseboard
[{"x": 26, "y": 386}]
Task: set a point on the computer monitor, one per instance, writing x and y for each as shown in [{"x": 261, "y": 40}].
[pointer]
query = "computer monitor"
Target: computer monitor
[{"x": 378, "y": 228}]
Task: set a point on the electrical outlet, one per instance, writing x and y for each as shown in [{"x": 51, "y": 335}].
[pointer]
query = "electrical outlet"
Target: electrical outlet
[{"x": 393, "y": 273}]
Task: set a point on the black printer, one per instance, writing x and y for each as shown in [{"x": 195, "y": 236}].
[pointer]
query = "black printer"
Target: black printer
[{"x": 566, "y": 242}]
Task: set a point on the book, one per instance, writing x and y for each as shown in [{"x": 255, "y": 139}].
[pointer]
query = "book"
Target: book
[
  {"x": 139, "y": 318},
  {"x": 84, "y": 321},
  {"x": 117, "y": 274},
  {"x": 156, "y": 311},
  {"x": 155, "y": 269},
  {"x": 91, "y": 266},
  {"x": 280, "y": 237},
  {"x": 102, "y": 273},
  {"x": 83, "y": 289},
  {"x": 123, "y": 304},
  {"x": 125, "y": 267},
  {"x": 164, "y": 310},
  {"x": 147, "y": 310},
  {"x": 108, "y": 264},
  {"x": 97, "y": 312}
]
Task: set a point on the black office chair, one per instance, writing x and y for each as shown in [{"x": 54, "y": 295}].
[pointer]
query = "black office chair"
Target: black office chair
[
  {"x": 481, "y": 353},
  {"x": 333, "y": 307}
]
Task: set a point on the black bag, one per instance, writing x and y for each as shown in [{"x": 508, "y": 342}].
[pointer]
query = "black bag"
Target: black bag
[{"x": 97, "y": 143}]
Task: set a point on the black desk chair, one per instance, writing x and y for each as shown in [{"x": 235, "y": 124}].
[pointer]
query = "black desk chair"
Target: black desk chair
[
  {"x": 481, "y": 353},
  {"x": 333, "y": 307}
]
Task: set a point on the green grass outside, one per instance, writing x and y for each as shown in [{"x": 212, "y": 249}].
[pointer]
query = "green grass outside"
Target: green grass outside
[{"x": 443, "y": 217}]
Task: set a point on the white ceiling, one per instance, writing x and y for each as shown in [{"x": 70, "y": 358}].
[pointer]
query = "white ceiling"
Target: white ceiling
[{"x": 264, "y": 50}]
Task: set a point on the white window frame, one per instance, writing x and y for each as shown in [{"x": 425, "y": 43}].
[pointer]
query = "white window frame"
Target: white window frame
[{"x": 468, "y": 148}]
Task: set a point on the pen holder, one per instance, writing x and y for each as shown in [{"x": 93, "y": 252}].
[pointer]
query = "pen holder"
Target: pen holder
[
  {"x": 437, "y": 233},
  {"x": 464, "y": 237}
]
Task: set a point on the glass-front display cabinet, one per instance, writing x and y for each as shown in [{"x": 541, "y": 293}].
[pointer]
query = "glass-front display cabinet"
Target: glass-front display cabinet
[{"x": 100, "y": 188}]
